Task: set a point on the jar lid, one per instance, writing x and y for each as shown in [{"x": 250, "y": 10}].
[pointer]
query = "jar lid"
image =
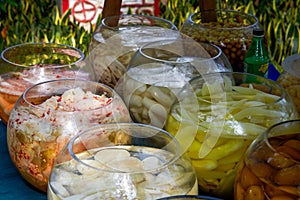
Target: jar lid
[{"x": 291, "y": 64}]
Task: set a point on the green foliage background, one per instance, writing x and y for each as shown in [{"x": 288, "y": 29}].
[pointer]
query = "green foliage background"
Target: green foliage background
[{"x": 40, "y": 21}]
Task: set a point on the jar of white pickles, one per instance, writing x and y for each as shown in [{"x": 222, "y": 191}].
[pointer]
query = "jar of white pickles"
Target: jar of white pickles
[
  {"x": 158, "y": 70},
  {"x": 290, "y": 78}
]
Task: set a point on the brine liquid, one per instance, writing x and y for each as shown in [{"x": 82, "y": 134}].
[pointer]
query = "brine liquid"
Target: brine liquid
[{"x": 122, "y": 172}]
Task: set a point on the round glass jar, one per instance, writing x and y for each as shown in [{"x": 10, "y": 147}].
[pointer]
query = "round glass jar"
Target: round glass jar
[
  {"x": 290, "y": 78},
  {"x": 27, "y": 64},
  {"x": 121, "y": 161},
  {"x": 232, "y": 32},
  {"x": 158, "y": 70},
  {"x": 48, "y": 114},
  {"x": 116, "y": 39},
  {"x": 215, "y": 118},
  {"x": 271, "y": 167}
]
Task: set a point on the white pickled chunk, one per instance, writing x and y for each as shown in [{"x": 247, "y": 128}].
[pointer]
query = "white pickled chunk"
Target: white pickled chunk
[
  {"x": 60, "y": 189},
  {"x": 129, "y": 164},
  {"x": 151, "y": 163},
  {"x": 106, "y": 155}
]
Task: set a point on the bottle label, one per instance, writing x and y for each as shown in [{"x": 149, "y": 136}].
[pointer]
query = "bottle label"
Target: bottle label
[
  {"x": 264, "y": 68},
  {"x": 258, "y": 69}
]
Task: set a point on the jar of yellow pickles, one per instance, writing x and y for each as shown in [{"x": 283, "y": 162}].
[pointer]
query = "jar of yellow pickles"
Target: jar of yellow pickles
[{"x": 215, "y": 118}]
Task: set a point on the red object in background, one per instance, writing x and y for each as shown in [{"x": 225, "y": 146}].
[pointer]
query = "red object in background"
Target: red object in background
[{"x": 86, "y": 10}]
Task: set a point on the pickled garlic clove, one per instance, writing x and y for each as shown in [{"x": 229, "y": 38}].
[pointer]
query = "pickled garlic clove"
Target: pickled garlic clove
[{"x": 158, "y": 115}]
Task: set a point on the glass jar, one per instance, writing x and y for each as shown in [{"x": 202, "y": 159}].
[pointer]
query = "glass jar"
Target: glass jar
[
  {"x": 271, "y": 166},
  {"x": 232, "y": 32},
  {"x": 117, "y": 38},
  {"x": 121, "y": 161},
  {"x": 48, "y": 114},
  {"x": 27, "y": 64},
  {"x": 215, "y": 118},
  {"x": 158, "y": 70},
  {"x": 290, "y": 78}
]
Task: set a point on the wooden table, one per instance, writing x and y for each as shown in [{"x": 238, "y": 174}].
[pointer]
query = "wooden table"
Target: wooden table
[{"x": 12, "y": 185}]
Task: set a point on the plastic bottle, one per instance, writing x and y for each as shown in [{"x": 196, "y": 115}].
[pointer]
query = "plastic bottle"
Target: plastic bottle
[{"x": 257, "y": 59}]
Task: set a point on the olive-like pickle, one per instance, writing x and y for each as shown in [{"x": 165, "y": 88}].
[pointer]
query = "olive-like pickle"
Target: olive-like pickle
[{"x": 232, "y": 32}]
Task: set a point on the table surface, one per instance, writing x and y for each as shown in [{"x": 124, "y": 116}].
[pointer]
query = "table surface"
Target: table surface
[{"x": 12, "y": 185}]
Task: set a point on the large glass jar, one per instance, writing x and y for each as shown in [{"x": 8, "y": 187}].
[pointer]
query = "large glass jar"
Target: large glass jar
[
  {"x": 215, "y": 118},
  {"x": 290, "y": 78},
  {"x": 27, "y": 64},
  {"x": 232, "y": 32},
  {"x": 117, "y": 38},
  {"x": 48, "y": 114},
  {"x": 271, "y": 166},
  {"x": 158, "y": 70},
  {"x": 127, "y": 161}
]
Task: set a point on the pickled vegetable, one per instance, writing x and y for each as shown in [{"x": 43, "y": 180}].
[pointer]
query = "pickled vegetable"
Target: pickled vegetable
[{"x": 216, "y": 126}]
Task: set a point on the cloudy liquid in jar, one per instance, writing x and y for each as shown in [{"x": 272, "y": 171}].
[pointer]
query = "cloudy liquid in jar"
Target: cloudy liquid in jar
[{"x": 142, "y": 173}]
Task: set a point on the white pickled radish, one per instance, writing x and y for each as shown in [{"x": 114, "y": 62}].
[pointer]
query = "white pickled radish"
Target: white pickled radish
[
  {"x": 106, "y": 155},
  {"x": 129, "y": 164},
  {"x": 151, "y": 163}
]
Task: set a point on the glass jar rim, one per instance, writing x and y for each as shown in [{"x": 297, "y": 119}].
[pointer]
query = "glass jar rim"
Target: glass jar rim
[
  {"x": 108, "y": 88},
  {"x": 252, "y": 17},
  {"x": 266, "y": 133},
  {"x": 114, "y": 126},
  {"x": 80, "y": 55},
  {"x": 162, "y": 42},
  {"x": 136, "y": 16}
]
